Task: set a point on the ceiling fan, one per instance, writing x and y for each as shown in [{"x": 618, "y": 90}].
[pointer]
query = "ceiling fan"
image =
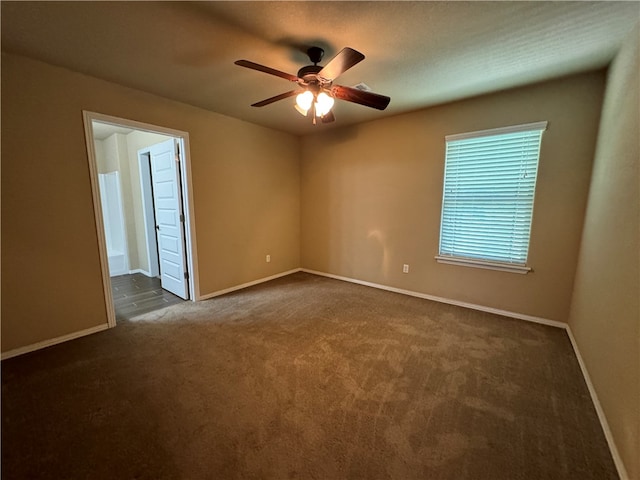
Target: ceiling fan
[{"x": 317, "y": 90}]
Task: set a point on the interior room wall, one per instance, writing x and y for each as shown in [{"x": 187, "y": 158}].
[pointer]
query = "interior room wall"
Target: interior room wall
[
  {"x": 119, "y": 152},
  {"x": 372, "y": 196},
  {"x": 101, "y": 159},
  {"x": 138, "y": 140},
  {"x": 605, "y": 312},
  {"x": 115, "y": 148},
  {"x": 112, "y": 155},
  {"x": 246, "y": 191}
]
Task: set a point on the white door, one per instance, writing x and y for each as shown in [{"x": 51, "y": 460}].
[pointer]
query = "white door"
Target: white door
[{"x": 165, "y": 176}]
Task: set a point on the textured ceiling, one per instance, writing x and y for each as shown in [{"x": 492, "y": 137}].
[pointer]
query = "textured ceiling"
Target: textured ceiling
[{"x": 418, "y": 53}]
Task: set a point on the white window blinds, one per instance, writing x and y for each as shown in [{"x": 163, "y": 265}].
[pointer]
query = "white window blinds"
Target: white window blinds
[{"x": 489, "y": 186}]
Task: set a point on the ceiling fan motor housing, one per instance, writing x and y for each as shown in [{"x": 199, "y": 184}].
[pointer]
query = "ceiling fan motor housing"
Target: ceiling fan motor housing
[{"x": 309, "y": 72}]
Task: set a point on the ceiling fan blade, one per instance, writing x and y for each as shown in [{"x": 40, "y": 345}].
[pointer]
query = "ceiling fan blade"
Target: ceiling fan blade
[
  {"x": 282, "y": 96},
  {"x": 328, "y": 117},
  {"x": 368, "y": 99},
  {"x": 343, "y": 61},
  {"x": 269, "y": 70}
]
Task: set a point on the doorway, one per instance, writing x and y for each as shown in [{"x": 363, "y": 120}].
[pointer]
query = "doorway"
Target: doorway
[{"x": 144, "y": 218}]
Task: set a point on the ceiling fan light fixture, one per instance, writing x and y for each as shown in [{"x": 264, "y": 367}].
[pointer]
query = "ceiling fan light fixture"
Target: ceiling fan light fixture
[
  {"x": 324, "y": 103},
  {"x": 304, "y": 101}
]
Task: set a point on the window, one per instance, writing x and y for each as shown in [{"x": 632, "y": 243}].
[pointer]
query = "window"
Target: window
[{"x": 489, "y": 186}]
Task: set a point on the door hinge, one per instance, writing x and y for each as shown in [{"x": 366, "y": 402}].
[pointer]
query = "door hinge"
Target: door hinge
[
  {"x": 182, "y": 218},
  {"x": 186, "y": 275}
]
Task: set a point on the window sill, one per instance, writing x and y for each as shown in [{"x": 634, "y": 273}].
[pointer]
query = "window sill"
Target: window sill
[{"x": 469, "y": 262}]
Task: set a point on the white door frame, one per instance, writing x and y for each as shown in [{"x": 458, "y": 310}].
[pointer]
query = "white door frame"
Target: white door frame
[{"x": 89, "y": 117}]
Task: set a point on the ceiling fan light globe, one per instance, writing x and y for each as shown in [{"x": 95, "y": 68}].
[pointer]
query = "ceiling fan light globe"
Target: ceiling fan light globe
[
  {"x": 324, "y": 103},
  {"x": 302, "y": 111},
  {"x": 304, "y": 100}
]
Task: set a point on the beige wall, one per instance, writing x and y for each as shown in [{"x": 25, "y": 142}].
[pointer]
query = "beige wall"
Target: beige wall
[
  {"x": 245, "y": 186},
  {"x": 605, "y": 313},
  {"x": 102, "y": 162},
  {"x": 372, "y": 194},
  {"x": 116, "y": 159}
]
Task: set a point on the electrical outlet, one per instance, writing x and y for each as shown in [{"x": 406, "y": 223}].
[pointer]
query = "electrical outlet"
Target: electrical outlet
[
  {"x": 268, "y": 258},
  {"x": 405, "y": 268}
]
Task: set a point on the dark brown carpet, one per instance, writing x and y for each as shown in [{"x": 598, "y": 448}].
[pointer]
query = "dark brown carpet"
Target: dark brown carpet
[{"x": 309, "y": 378}]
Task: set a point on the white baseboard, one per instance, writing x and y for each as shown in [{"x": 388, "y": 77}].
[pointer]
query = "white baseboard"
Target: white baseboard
[
  {"x": 139, "y": 270},
  {"x": 482, "y": 308},
  {"x": 53, "y": 341},
  {"x": 248, "y": 284},
  {"x": 622, "y": 471}
]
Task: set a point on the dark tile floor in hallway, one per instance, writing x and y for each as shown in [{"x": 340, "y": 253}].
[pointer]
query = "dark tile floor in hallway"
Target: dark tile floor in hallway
[{"x": 136, "y": 294}]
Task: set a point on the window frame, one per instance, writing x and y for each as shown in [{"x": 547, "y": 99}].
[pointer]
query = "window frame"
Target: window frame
[{"x": 475, "y": 262}]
